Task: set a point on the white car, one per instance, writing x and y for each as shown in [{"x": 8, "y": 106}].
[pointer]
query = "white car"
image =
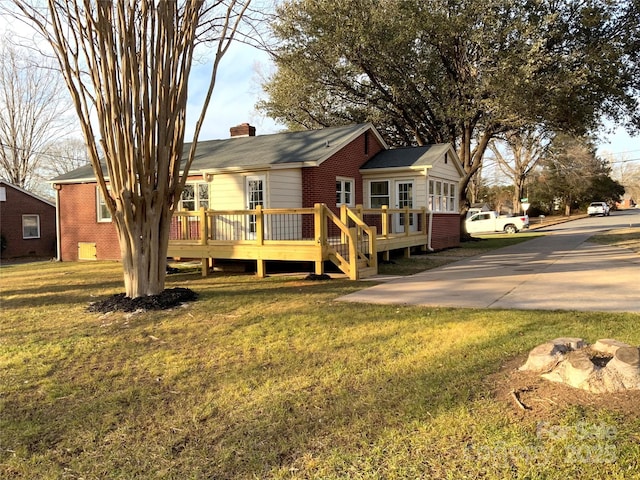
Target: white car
[{"x": 598, "y": 208}]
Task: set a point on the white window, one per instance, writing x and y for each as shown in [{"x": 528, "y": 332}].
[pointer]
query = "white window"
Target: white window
[
  {"x": 453, "y": 203},
  {"x": 194, "y": 196},
  {"x": 30, "y": 226},
  {"x": 344, "y": 191},
  {"x": 442, "y": 196},
  {"x": 104, "y": 215},
  {"x": 379, "y": 194}
]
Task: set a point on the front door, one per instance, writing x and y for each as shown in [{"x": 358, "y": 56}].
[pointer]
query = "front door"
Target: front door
[
  {"x": 255, "y": 197},
  {"x": 404, "y": 199}
]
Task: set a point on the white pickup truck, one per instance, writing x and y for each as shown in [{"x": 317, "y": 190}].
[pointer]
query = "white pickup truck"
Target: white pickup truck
[{"x": 483, "y": 222}]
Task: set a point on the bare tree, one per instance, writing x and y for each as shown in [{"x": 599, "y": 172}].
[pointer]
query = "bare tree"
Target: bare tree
[
  {"x": 526, "y": 148},
  {"x": 34, "y": 107},
  {"x": 127, "y": 63},
  {"x": 627, "y": 172},
  {"x": 64, "y": 156}
]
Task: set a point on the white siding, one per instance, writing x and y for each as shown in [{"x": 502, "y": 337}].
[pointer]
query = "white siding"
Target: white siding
[
  {"x": 285, "y": 191},
  {"x": 285, "y": 188},
  {"x": 227, "y": 192},
  {"x": 282, "y": 189},
  {"x": 445, "y": 171}
]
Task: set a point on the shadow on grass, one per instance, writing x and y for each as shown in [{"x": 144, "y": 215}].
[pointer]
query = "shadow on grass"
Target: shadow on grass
[{"x": 253, "y": 410}]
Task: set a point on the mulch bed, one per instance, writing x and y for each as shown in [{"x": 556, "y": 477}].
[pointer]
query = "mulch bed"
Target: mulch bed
[{"x": 169, "y": 298}]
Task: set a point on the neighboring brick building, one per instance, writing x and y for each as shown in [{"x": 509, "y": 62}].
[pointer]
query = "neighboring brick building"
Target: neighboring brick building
[
  {"x": 349, "y": 165},
  {"x": 27, "y": 223}
]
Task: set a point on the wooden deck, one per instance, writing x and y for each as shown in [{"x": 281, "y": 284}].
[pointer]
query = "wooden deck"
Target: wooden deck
[{"x": 351, "y": 241}]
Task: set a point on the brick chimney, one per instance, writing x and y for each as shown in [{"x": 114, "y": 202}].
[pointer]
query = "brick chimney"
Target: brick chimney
[{"x": 243, "y": 130}]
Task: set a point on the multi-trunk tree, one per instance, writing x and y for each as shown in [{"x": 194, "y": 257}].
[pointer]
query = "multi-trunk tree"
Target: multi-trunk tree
[
  {"x": 460, "y": 71},
  {"x": 127, "y": 64}
]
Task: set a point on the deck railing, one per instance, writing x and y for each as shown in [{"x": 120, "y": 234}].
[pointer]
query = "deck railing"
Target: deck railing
[{"x": 349, "y": 240}]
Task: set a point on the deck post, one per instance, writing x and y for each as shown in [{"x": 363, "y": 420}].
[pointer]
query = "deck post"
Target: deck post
[
  {"x": 259, "y": 225},
  {"x": 373, "y": 248},
  {"x": 319, "y": 230},
  {"x": 204, "y": 235},
  {"x": 260, "y": 268},
  {"x": 385, "y": 221},
  {"x": 354, "y": 274},
  {"x": 407, "y": 223},
  {"x": 185, "y": 226}
]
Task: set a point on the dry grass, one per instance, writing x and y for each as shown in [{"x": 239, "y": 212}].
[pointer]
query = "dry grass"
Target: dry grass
[
  {"x": 273, "y": 379},
  {"x": 623, "y": 237}
]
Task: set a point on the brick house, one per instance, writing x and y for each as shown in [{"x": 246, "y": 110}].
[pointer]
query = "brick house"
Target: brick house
[
  {"x": 27, "y": 223},
  {"x": 349, "y": 165}
]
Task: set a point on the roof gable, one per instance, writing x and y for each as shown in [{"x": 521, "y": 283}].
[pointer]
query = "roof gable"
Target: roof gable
[
  {"x": 26, "y": 192},
  {"x": 413, "y": 157}
]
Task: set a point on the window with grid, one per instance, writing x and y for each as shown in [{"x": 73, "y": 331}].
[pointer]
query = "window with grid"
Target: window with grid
[
  {"x": 344, "y": 191},
  {"x": 194, "y": 196},
  {"x": 379, "y": 194},
  {"x": 442, "y": 196}
]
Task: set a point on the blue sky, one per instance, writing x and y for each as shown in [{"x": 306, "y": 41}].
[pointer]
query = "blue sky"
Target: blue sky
[{"x": 234, "y": 98}]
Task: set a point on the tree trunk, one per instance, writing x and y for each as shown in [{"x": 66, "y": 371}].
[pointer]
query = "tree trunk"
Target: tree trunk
[
  {"x": 518, "y": 194},
  {"x": 143, "y": 248}
]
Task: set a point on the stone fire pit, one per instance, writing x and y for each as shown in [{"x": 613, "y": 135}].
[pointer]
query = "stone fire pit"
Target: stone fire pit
[{"x": 606, "y": 366}]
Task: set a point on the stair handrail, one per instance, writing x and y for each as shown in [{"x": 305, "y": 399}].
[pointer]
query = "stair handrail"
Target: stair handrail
[{"x": 370, "y": 231}]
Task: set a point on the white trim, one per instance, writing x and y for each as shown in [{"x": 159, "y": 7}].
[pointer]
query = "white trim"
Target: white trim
[
  {"x": 99, "y": 197},
  {"x": 196, "y": 194},
  {"x": 436, "y": 202},
  {"x": 381, "y": 180},
  {"x": 352, "y": 193}
]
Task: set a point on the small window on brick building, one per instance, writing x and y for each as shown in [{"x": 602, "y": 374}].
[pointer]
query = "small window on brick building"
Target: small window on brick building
[
  {"x": 104, "y": 215},
  {"x": 366, "y": 143},
  {"x": 30, "y": 226},
  {"x": 344, "y": 191}
]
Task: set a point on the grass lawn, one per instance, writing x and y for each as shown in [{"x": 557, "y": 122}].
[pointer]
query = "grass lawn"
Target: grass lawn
[{"x": 273, "y": 379}]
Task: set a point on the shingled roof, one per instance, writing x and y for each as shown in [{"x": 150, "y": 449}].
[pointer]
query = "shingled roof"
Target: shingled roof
[
  {"x": 408, "y": 157},
  {"x": 304, "y": 148}
]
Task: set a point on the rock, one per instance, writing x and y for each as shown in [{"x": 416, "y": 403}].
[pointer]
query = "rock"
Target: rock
[
  {"x": 608, "y": 346},
  {"x": 545, "y": 357}
]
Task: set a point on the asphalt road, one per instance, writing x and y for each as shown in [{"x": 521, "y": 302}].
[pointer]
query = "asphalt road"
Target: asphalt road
[{"x": 559, "y": 271}]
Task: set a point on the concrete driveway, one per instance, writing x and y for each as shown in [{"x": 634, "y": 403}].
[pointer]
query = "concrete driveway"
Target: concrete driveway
[{"x": 560, "y": 271}]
